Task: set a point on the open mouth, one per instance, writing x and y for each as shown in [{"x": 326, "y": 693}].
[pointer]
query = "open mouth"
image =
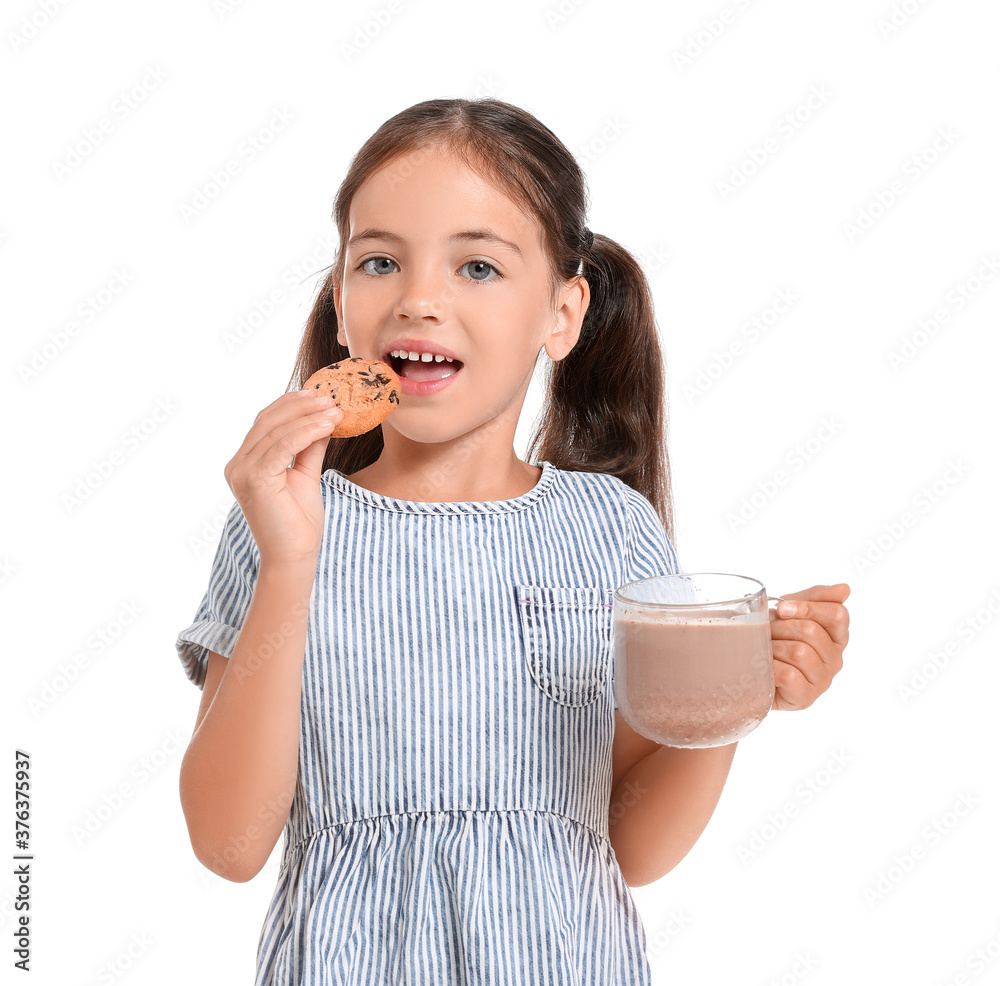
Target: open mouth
[{"x": 422, "y": 370}]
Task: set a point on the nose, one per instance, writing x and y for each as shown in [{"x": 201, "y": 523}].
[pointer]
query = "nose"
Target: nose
[{"x": 425, "y": 294}]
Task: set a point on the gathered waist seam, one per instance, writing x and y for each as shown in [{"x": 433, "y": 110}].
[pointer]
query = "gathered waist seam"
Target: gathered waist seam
[{"x": 444, "y": 811}]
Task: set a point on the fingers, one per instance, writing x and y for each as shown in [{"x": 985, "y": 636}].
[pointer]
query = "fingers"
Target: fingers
[
  {"x": 800, "y": 658},
  {"x": 832, "y": 616},
  {"x": 837, "y": 593},
  {"x": 813, "y": 634},
  {"x": 309, "y": 461},
  {"x": 807, "y": 643},
  {"x": 792, "y": 689},
  {"x": 285, "y": 400},
  {"x": 276, "y": 449},
  {"x": 280, "y": 432},
  {"x": 287, "y": 408}
]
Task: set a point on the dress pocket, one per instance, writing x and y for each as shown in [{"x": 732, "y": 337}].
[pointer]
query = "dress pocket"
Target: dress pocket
[{"x": 567, "y": 633}]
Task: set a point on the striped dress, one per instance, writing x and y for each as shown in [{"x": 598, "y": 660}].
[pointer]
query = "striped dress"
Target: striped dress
[{"x": 450, "y": 820}]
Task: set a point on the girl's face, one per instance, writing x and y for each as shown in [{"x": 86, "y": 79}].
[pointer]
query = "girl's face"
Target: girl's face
[{"x": 420, "y": 265}]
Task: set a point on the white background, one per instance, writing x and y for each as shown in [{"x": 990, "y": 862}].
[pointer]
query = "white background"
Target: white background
[{"x": 855, "y": 840}]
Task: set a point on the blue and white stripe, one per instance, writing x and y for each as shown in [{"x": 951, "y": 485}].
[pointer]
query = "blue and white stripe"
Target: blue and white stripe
[{"x": 450, "y": 823}]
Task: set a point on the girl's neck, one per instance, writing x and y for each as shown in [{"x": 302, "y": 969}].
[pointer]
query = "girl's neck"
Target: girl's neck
[{"x": 474, "y": 482}]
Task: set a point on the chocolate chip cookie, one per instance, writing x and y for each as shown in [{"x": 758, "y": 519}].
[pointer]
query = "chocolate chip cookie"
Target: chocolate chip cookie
[{"x": 367, "y": 389}]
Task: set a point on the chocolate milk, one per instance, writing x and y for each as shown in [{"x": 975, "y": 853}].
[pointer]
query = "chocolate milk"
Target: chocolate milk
[{"x": 693, "y": 683}]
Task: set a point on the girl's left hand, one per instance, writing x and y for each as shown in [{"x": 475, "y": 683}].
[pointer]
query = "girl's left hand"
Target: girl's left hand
[{"x": 808, "y": 645}]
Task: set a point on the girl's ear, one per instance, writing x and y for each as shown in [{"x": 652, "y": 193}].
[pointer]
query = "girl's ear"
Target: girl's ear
[
  {"x": 341, "y": 338},
  {"x": 560, "y": 342},
  {"x": 569, "y": 319}
]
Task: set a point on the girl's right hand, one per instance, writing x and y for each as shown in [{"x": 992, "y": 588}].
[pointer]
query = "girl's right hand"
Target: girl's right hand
[{"x": 283, "y": 504}]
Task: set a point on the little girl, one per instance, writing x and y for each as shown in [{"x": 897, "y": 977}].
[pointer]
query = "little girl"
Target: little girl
[{"x": 405, "y": 647}]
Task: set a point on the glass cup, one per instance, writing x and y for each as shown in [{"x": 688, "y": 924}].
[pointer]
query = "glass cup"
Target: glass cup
[{"x": 692, "y": 664}]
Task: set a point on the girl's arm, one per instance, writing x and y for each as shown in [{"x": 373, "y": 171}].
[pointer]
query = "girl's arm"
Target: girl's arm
[
  {"x": 660, "y": 807},
  {"x": 239, "y": 772}
]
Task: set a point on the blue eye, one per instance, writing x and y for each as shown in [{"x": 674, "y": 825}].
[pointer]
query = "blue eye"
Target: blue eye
[
  {"x": 483, "y": 263},
  {"x": 363, "y": 267}
]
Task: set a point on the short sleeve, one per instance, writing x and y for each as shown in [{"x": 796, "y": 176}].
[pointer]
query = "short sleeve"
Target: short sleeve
[
  {"x": 219, "y": 617},
  {"x": 648, "y": 550}
]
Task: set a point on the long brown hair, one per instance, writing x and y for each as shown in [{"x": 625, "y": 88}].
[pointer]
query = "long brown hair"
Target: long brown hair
[{"x": 605, "y": 405}]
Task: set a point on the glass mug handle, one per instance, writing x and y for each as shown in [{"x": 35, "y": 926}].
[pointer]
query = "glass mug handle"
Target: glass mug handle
[{"x": 772, "y": 610}]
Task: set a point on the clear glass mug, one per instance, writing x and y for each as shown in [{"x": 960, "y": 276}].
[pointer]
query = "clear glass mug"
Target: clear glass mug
[{"x": 692, "y": 665}]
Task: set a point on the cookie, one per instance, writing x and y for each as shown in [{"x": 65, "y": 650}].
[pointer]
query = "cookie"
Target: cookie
[{"x": 367, "y": 389}]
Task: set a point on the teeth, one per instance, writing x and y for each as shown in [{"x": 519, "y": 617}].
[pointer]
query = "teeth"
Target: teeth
[{"x": 416, "y": 357}]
